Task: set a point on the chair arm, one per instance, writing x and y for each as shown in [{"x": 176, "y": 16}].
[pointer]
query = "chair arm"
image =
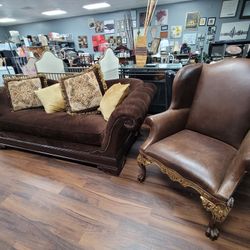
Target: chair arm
[
  {"x": 238, "y": 167},
  {"x": 128, "y": 116},
  {"x": 165, "y": 124}
]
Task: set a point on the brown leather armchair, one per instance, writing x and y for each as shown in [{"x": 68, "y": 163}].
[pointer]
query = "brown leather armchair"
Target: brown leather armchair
[{"x": 203, "y": 140}]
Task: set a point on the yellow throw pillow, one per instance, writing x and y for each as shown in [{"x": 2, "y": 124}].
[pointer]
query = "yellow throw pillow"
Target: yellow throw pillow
[
  {"x": 112, "y": 97},
  {"x": 51, "y": 98}
]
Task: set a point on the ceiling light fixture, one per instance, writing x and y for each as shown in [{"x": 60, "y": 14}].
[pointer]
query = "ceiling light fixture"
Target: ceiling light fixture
[
  {"x": 95, "y": 6},
  {"x": 54, "y": 12},
  {"x": 1, "y": 5},
  {"x": 7, "y": 20}
]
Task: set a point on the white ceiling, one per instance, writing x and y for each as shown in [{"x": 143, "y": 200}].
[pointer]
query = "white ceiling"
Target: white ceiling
[{"x": 27, "y": 11}]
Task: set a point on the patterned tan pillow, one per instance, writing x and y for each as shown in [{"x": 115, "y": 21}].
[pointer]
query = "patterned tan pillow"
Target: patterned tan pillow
[
  {"x": 81, "y": 92},
  {"x": 22, "y": 91}
]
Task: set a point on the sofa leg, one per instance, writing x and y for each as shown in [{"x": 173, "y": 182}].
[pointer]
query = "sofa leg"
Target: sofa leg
[
  {"x": 142, "y": 163},
  {"x": 219, "y": 213},
  {"x": 2, "y": 146}
]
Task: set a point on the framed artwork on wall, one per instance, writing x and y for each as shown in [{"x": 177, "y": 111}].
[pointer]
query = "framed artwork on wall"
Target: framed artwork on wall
[
  {"x": 202, "y": 21},
  {"x": 164, "y": 27},
  {"x": 229, "y": 8},
  {"x": 245, "y": 11},
  {"x": 211, "y": 21},
  {"x": 192, "y": 20}
]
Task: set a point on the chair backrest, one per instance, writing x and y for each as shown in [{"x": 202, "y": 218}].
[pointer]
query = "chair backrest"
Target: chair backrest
[
  {"x": 221, "y": 105},
  {"x": 29, "y": 68},
  {"x": 109, "y": 65},
  {"x": 49, "y": 63}
]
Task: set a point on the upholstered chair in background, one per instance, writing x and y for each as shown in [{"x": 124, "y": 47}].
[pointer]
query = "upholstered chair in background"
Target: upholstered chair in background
[{"x": 203, "y": 140}]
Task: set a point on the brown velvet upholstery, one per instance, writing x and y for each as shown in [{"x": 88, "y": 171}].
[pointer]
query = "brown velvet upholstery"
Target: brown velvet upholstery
[
  {"x": 203, "y": 140},
  {"x": 87, "y": 138}
]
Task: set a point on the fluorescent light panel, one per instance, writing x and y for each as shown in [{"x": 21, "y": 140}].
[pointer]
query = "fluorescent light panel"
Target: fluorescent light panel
[
  {"x": 54, "y": 12},
  {"x": 7, "y": 20},
  {"x": 95, "y": 6}
]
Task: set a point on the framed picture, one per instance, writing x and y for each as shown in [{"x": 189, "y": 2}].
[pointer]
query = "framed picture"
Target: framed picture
[
  {"x": 164, "y": 27},
  {"x": 202, "y": 21},
  {"x": 211, "y": 21},
  {"x": 155, "y": 45},
  {"x": 245, "y": 11},
  {"x": 142, "y": 17},
  {"x": 192, "y": 20},
  {"x": 229, "y": 8}
]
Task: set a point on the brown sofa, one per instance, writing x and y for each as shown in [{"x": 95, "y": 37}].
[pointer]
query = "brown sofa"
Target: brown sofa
[
  {"x": 203, "y": 140},
  {"x": 85, "y": 138}
]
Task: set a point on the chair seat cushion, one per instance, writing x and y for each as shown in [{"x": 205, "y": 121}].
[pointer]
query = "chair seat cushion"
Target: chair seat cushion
[
  {"x": 196, "y": 157},
  {"x": 85, "y": 129}
]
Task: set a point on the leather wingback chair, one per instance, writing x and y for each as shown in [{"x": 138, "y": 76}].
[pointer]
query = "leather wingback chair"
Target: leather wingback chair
[{"x": 203, "y": 140}]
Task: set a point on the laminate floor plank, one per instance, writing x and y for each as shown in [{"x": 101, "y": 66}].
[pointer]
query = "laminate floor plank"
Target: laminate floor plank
[{"x": 47, "y": 203}]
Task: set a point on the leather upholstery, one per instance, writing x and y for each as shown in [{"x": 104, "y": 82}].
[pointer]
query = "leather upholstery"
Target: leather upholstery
[
  {"x": 198, "y": 157},
  {"x": 204, "y": 135}
]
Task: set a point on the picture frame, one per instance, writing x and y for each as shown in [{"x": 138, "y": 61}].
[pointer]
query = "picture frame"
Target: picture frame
[
  {"x": 229, "y": 8},
  {"x": 155, "y": 45},
  {"x": 245, "y": 11},
  {"x": 164, "y": 27},
  {"x": 192, "y": 20},
  {"x": 211, "y": 21},
  {"x": 202, "y": 21}
]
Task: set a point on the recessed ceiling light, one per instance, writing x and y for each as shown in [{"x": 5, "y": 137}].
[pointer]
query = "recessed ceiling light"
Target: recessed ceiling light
[
  {"x": 96, "y": 6},
  {"x": 7, "y": 20},
  {"x": 54, "y": 12},
  {"x": 1, "y": 5}
]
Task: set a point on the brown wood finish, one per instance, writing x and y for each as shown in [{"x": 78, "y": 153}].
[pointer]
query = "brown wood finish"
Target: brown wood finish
[{"x": 46, "y": 203}]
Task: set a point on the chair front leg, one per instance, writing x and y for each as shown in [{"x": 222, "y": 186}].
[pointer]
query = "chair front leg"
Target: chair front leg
[
  {"x": 219, "y": 213},
  {"x": 142, "y": 162}
]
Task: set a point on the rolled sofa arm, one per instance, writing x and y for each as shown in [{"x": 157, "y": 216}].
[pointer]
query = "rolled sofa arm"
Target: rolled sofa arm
[
  {"x": 165, "y": 124},
  {"x": 129, "y": 115}
]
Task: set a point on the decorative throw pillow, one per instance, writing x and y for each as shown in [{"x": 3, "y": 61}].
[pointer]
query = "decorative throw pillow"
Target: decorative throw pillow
[
  {"x": 81, "y": 92},
  {"x": 51, "y": 98},
  {"x": 113, "y": 96},
  {"x": 22, "y": 91},
  {"x": 99, "y": 76}
]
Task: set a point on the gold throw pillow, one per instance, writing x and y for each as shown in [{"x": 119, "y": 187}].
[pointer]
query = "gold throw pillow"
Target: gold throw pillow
[
  {"x": 112, "y": 97},
  {"x": 51, "y": 98}
]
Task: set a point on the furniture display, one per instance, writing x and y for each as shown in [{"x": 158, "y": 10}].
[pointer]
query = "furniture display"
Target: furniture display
[
  {"x": 49, "y": 63},
  {"x": 84, "y": 138},
  {"x": 109, "y": 65},
  {"x": 5, "y": 70},
  {"x": 219, "y": 50},
  {"x": 161, "y": 76},
  {"x": 203, "y": 140}
]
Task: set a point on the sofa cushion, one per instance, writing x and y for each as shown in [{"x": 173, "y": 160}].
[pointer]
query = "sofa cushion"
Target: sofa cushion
[
  {"x": 51, "y": 98},
  {"x": 86, "y": 129},
  {"x": 195, "y": 156},
  {"x": 113, "y": 96},
  {"x": 81, "y": 92},
  {"x": 21, "y": 91}
]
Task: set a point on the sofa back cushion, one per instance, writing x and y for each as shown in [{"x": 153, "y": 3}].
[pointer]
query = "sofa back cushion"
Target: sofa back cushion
[
  {"x": 221, "y": 106},
  {"x": 21, "y": 91}
]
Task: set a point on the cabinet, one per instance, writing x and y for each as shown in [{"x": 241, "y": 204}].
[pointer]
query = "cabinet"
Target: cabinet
[{"x": 161, "y": 77}]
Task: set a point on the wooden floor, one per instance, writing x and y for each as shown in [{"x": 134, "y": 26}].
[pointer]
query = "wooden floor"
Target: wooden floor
[{"x": 46, "y": 203}]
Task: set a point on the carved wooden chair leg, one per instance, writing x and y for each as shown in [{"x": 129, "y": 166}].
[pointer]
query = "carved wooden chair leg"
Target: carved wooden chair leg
[
  {"x": 219, "y": 213},
  {"x": 142, "y": 163}
]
